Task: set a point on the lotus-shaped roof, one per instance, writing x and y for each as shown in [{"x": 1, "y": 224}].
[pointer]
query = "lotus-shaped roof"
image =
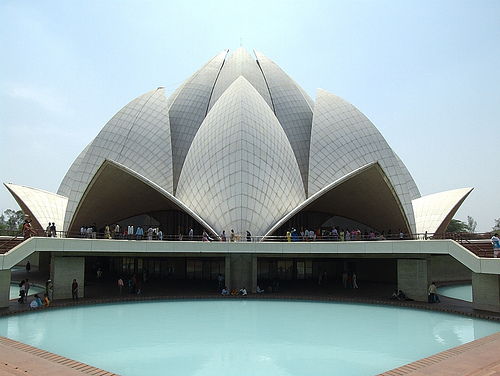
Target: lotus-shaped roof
[{"x": 239, "y": 145}]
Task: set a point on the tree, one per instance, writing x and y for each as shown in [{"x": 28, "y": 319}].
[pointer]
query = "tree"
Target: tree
[
  {"x": 456, "y": 226},
  {"x": 12, "y": 220},
  {"x": 471, "y": 224},
  {"x": 496, "y": 227}
]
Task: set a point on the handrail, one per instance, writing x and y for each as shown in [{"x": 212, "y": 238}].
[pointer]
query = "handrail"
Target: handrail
[
  {"x": 242, "y": 238},
  {"x": 473, "y": 247},
  {"x": 8, "y": 244}
]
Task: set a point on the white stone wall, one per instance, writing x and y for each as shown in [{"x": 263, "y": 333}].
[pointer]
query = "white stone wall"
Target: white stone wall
[
  {"x": 413, "y": 278},
  {"x": 448, "y": 269},
  {"x": 5, "y": 276},
  {"x": 63, "y": 271},
  {"x": 486, "y": 292}
]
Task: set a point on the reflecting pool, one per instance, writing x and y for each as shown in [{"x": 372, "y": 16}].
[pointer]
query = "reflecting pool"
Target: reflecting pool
[
  {"x": 34, "y": 289},
  {"x": 462, "y": 292},
  {"x": 243, "y": 337}
]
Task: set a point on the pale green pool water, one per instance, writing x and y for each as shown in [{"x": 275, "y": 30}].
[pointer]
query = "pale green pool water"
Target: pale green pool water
[
  {"x": 462, "y": 292},
  {"x": 34, "y": 289},
  {"x": 243, "y": 337}
]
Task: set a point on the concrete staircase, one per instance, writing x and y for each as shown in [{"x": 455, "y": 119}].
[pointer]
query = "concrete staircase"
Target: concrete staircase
[
  {"x": 9, "y": 242},
  {"x": 480, "y": 249}
]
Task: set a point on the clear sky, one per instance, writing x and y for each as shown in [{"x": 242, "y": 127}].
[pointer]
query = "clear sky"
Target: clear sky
[{"x": 426, "y": 73}]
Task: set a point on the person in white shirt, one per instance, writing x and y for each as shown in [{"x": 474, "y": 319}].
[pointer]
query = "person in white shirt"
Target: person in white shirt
[
  {"x": 495, "y": 241},
  {"x": 36, "y": 302}
]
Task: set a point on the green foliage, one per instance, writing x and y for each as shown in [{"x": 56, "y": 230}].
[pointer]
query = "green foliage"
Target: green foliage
[
  {"x": 496, "y": 227},
  {"x": 12, "y": 220},
  {"x": 456, "y": 226},
  {"x": 471, "y": 224}
]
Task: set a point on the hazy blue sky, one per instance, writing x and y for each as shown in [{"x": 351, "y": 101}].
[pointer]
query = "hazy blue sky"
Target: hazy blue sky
[{"x": 426, "y": 73}]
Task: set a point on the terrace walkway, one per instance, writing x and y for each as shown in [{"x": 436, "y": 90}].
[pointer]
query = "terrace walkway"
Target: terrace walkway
[{"x": 100, "y": 246}]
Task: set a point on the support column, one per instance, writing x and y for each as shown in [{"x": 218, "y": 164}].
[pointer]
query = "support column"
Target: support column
[
  {"x": 414, "y": 278},
  {"x": 227, "y": 276},
  {"x": 241, "y": 271},
  {"x": 44, "y": 259},
  {"x": 5, "y": 276},
  {"x": 253, "y": 288},
  {"x": 486, "y": 292},
  {"x": 63, "y": 271}
]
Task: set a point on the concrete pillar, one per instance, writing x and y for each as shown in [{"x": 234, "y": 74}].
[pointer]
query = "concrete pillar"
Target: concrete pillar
[
  {"x": 414, "y": 278},
  {"x": 241, "y": 271},
  {"x": 486, "y": 292},
  {"x": 253, "y": 288},
  {"x": 227, "y": 273},
  {"x": 44, "y": 259},
  {"x": 5, "y": 277},
  {"x": 63, "y": 271}
]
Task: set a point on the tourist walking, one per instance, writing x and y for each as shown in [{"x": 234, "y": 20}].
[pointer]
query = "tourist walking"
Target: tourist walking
[
  {"x": 49, "y": 289},
  {"x": 433, "y": 298},
  {"x": 99, "y": 276},
  {"x": 22, "y": 291},
  {"x": 495, "y": 242},
  {"x": 74, "y": 290},
  {"x": 120, "y": 286},
  {"x": 220, "y": 279}
]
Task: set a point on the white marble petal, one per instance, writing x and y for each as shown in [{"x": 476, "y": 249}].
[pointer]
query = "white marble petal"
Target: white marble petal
[{"x": 240, "y": 172}]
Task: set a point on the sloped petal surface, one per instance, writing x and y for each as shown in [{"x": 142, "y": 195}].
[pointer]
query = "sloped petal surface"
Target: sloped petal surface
[
  {"x": 343, "y": 140},
  {"x": 188, "y": 108},
  {"x": 293, "y": 108},
  {"x": 240, "y": 63},
  {"x": 240, "y": 172},
  {"x": 42, "y": 206},
  {"x": 67, "y": 183},
  {"x": 433, "y": 213},
  {"x": 138, "y": 136}
]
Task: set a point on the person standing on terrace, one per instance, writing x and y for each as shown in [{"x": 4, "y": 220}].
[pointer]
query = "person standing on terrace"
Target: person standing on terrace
[
  {"x": 27, "y": 230},
  {"x": 495, "y": 242}
]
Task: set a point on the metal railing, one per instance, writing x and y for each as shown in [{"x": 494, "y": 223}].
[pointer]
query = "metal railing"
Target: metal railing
[{"x": 468, "y": 238}]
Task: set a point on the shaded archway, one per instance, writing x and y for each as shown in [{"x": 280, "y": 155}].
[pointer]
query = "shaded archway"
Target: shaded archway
[
  {"x": 117, "y": 193},
  {"x": 365, "y": 196}
]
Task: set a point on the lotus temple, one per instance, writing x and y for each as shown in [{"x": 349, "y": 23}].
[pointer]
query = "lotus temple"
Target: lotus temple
[{"x": 240, "y": 146}]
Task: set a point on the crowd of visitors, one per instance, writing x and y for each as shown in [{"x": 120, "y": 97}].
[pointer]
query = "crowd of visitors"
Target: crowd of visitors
[
  {"x": 338, "y": 234},
  {"x": 24, "y": 287},
  {"x": 139, "y": 232}
]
